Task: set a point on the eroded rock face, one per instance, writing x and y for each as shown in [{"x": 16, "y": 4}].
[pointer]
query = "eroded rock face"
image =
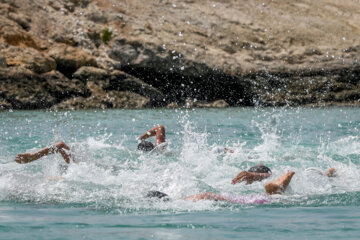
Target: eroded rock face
[
  {"x": 24, "y": 90},
  {"x": 121, "y": 81},
  {"x": 28, "y": 58},
  {"x": 69, "y": 59},
  {"x": 178, "y": 53},
  {"x": 63, "y": 88}
]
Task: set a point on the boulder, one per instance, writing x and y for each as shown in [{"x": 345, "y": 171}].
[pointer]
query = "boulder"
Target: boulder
[
  {"x": 192, "y": 103},
  {"x": 29, "y": 92},
  {"x": 28, "y": 58},
  {"x": 220, "y": 104},
  {"x": 122, "y": 51},
  {"x": 91, "y": 74},
  {"x": 126, "y": 100},
  {"x": 200, "y": 104},
  {"x": 13, "y": 34},
  {"x": 80, "y": 103},
  {"x": 63, "y": 88},
  {"x": 173, "y": 105},
  {"x": 69, "y": 59},
  {"x": 121, "y": 81},
  {"x": 112, "y": 99}
]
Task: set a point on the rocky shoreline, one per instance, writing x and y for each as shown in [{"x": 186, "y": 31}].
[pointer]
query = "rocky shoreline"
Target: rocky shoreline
[{"x": 81, "y": 54}]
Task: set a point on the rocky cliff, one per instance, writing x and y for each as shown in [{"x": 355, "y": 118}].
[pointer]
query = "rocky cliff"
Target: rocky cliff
[{"x": 70, "y": 54}]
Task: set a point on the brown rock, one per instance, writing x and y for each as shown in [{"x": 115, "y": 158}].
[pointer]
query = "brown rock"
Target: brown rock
[
  {"x": 29, "y": 92},
  {"x": 91, "y": 74},
  {"x": 28, "y": 58},
  {"x": 112, "y": 99},
  {"x": 69, "y": 59},
  {"x": 63, "y": 88},
  {"x": 173, "y": 105},
  {"x": 216, "y": 104},
  {"x": 20, "y": 19},
  {"x": 348, "y": 95},
  {"x": 220, "y": 104},
  {"x": 127, "y": 100},
  {"x": 11, "y": 33},
  {"x": 80, "y": 103},
  {"x": 121, "y": 81},
  {"x": 193, "y": 49}
]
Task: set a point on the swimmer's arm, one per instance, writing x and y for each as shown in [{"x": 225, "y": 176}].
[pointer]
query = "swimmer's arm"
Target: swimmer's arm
[
  {"x": 228, "y": 150},
  {"x": 249, "y": 177},
  {"x": 57, "y": 147},
  {"x": 158, "y": 131},
  {"x": 279, "y": 185},
  {"x": 331, "y": 172}
]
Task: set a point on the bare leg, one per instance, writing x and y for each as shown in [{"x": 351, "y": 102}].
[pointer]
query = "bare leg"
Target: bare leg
[
  {"x": 279, "y": 185},
  {"x": 57, "y": 147},
  {"x": 158, "y": 131},
  {"x": 206, "y": 196},
  {"x": 331, "y": 172}
]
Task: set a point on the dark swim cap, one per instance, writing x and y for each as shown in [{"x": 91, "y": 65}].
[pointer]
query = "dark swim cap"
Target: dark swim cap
[
  {"x": 145, "y": 146},
  {"x": 158, "y": 194},
  {"x": 260, "y": 169}
]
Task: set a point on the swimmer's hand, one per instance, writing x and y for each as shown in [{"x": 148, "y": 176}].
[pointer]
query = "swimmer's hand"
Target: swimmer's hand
[
  {"x": 228, "y": 150},
  {"x": 25, "y": 158},
  {"x": 331, "y": 172}
]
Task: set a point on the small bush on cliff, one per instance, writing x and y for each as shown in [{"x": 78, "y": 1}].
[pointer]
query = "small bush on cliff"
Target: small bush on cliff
[{"x": 106, "y": 35}]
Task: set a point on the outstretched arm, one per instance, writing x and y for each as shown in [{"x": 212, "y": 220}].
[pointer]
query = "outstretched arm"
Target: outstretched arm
[
  {"x": 228, "y": 150},
  {"x": 57, "y": 147},
  {"x": 279, "y": 185},
  {"x": 158, "y": 131},
  {"x": 331, "y": 172},
  {"x": 249, "y": 177}
]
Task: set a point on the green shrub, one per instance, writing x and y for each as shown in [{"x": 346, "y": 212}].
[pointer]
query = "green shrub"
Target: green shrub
[{"x": 106, "y": 35}]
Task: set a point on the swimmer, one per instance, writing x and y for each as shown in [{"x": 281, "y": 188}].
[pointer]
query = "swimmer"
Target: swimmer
[
  {"x": 331, "y": 172},
  {"x": 59, "y": 147},
  {"x": 159, "y": 132},
  {"x": 277, "y": 186},
  {"x": 260, "y": 172},
  {"x": 256, "y": 173}
]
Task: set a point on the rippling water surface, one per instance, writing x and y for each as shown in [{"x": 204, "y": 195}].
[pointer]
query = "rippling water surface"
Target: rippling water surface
[{"x": 101, "y": 195}]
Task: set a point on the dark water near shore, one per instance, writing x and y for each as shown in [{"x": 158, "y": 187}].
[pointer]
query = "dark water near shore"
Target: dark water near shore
[{"x": 101, "y": 196}]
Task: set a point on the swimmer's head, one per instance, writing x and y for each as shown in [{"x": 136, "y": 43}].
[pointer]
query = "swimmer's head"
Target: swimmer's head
[
  {"x": 145, "y": 146},
  {"x": 157, "y": 195},
  {"x": 260, "y": 168}
]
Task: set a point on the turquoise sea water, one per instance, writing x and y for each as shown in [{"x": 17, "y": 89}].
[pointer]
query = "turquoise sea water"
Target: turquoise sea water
[{"x": 101, "y": 196}]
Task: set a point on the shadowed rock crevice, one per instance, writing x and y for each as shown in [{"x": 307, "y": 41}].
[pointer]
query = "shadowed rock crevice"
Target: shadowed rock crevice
[
  {"x": 318, "y": 88},
  {"x": 209, "y": 86}
]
